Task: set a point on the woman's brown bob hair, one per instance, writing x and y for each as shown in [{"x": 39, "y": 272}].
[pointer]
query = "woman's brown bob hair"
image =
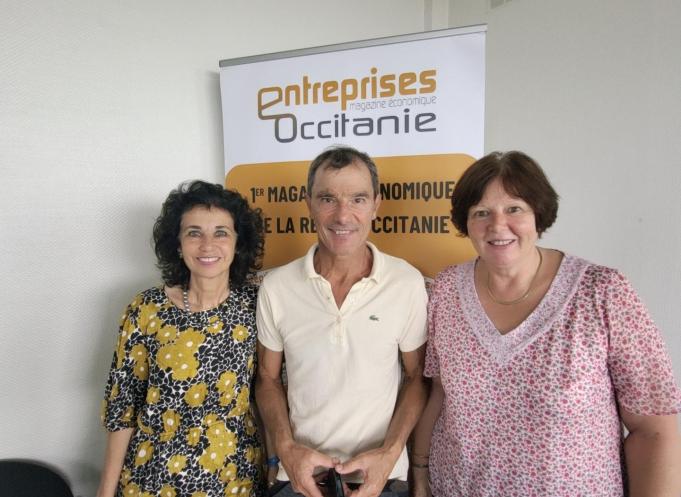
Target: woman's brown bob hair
[{"x": 521, "y": 176}]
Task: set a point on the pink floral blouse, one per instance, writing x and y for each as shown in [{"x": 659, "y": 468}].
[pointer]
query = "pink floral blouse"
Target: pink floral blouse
[{"x": 535, "y": 412}]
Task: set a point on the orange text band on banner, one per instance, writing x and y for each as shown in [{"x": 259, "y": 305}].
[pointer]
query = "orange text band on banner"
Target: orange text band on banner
[{"x": 412, "y": 222}]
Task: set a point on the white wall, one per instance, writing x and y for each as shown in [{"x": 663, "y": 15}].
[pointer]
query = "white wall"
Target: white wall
[{"x": 106, "y": 106}]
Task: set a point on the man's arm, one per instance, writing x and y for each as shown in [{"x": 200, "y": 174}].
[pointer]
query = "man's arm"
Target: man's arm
[
  {"x": 298, "y": 460},
  {"x": 377, "y": 464},
  {"x": 653, "y": 455}
]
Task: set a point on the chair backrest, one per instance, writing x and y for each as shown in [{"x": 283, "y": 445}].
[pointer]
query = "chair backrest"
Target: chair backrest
[{"x": 31, "y": 479}]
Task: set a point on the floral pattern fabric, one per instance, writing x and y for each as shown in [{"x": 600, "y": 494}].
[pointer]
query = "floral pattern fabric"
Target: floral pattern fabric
[
  {"x": 184, "y": 382},
  {"x": 534, "y": 412}
]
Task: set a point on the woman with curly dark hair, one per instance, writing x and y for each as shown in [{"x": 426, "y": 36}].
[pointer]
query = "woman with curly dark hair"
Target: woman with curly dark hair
[{"x": 178, "y": 399}]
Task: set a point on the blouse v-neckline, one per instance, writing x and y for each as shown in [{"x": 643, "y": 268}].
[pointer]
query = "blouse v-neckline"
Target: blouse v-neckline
[{"x": 503, "y": 347}]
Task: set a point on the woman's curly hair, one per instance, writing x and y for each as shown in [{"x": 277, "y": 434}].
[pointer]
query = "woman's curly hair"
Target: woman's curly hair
[{"x": 248, "y": 224}]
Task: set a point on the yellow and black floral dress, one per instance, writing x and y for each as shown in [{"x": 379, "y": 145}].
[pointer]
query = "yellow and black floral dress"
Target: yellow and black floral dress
[{"x": 184, "y": 381}]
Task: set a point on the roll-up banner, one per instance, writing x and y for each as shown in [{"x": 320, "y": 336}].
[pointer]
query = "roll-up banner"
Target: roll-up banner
[{"x": 414, "y": 103}]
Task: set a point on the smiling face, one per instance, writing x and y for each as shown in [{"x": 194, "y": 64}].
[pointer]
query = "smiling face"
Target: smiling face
[
  {"x": 502, "y": 228},
  {"x": 342, "y": 204},
  {"x": 208, "y": 242}
]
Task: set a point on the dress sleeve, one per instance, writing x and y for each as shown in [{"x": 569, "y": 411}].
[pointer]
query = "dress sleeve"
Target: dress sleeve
[
  {"x": 126, "y": 388},
  {"x": 268, "y": 333},
  {"x": 432, "y": 367},
  {"x": 638, "y": 362}
]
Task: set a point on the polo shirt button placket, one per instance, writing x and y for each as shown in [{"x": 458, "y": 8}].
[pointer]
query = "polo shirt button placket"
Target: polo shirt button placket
[{"x": 338, "y": 330}]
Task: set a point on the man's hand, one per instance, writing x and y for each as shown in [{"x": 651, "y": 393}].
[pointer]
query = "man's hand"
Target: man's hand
[
  {"x": 299, "y": 463},
  {"x": 374, "y": 466}
]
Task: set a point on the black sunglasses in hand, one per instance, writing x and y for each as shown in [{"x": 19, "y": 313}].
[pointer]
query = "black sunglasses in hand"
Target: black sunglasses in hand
[{"x": 333, "y": 485}]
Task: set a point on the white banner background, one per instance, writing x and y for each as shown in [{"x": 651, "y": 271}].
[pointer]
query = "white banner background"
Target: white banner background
[{"x": 457, "y": 58}]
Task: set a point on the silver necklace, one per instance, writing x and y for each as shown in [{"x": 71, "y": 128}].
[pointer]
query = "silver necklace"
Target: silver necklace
[
  {"x": 185, "y": 300},
  {"x": 524, "y": 295}
]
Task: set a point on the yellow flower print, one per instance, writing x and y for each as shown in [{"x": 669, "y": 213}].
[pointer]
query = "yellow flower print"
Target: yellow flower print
[
  {"x": 238, "y": 488},
  {"x": 165, "y": 357},
  {"x": 131, "y": 490},
  {"x": 252, "y": 454},
  {"x": 228, "y": 473},
  {"x": 225, "y": 386},
  {"x": 249, "y": 424},
  {"x": 220, "y": 438},
  {"x": 176, "y": 464},
  {"x": 127, "y": 414},
  {"x": 167, "y": 491},
  {"x": 179, "y": 359},
  {"x": 226, "y": 381},
  {"x": 196, "y": 394},
  {"x": 226, "y": 444},
  {"x": 115, "y": 390},
  {"x": 186, "y": 368},
  {"x": 144, "y": 452},
  {"x": 190, "y": 339},
  {"x": 120, "y": 347},
  {"x": 153, "y": 395},
  {"x": 226, "y": 398},
  {"x": 125, "y": 476},
  {"x": 249, "y": 364},
  {"x": 216, "y": 431},
  {"x": 125, "y": 316},
  {"x": 213, "y": 458},
  {"x": 139, "y": 353},
  {"x": 147, "y": 320},
  {"x": 194, "y": 436},
  {"x": 215, "y": 325},
  {"x": 210, "y": 419},
  {"x": 240, "y": 333},
  {"x": 171, "y": 422},
  {"x": 242, "y": 403},
  {"x": 166, "y": 334},
  {"x": 146, "y": 494},
  {"x": 141, "y": 370},
  {"x": 142, "y": 427}
]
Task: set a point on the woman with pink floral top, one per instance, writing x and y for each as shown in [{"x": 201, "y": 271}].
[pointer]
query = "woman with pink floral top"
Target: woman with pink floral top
[{"x": 538, "y": 358}]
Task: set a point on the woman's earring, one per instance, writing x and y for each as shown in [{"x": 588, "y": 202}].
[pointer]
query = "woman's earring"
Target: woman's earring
[{"x": 179, "y": 252}]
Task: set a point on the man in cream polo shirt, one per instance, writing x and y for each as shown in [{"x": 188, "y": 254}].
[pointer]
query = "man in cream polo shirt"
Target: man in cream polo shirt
[{"x": 342, "y": 315}]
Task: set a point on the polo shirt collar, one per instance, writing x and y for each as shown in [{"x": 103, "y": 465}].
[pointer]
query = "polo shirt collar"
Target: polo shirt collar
[{"x": 376, "y": 268}]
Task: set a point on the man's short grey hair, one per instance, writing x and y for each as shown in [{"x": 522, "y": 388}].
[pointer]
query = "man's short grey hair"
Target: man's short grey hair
[{"x": 338, "y": 157}]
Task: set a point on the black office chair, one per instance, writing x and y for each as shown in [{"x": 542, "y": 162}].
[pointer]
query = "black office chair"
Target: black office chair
[{"x": 19, "y": 478}]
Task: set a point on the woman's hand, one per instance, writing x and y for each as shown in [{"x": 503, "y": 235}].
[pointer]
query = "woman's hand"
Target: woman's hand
[{"x": 420, "y": 485}]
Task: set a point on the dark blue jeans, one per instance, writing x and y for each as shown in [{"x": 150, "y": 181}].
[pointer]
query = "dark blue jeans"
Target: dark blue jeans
[{"x": 395, "y": 489}]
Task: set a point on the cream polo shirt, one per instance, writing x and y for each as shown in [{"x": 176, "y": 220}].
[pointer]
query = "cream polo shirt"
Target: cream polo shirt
[{"x": 343, "y": 365}]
